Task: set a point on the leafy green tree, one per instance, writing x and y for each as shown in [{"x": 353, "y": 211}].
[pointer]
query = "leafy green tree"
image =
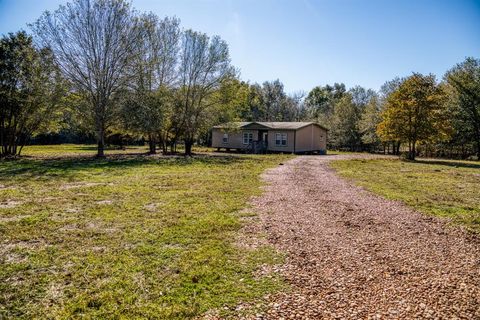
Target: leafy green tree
[
  {"x": 385, "y": 90},
  {"x": 388, "y": 88},
  {"x": 147, "y": 104},
  {"x": 93, "y": 43},
  {"x": 361, "y": 96},
  {"x": 204, "y": 64},
  {"x": 343, "y": 132},
  {"x": 464, "y": 78},
  {"x": 297, "y": 102},
  {"x": 320, "y": 102},
  {"x": 31, "y": 91},
  {"x": 145, "y": 113},
  {"x": 415, "y": 112},
  {"x": 269, "y": 102},
  {"x": 231, "y": 100},
  {"x": 369, "y": 120},
  {"x": 275, "y": 102},
  {"x": 256, "y": 108}
]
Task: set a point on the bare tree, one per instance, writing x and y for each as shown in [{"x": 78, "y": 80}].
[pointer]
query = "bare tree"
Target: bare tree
[
  {"x": 204, "y": 63},
  {"x": 93, "y": 43}
]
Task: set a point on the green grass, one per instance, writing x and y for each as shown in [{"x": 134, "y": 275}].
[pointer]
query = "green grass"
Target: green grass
[
  {"x": 72, "y": 150},
  {"x": 439, "y": 187},
  {"x": 127, "y": 237},
  {"x": 69, "y": 150},
  {"x": 340, "y": 152}
]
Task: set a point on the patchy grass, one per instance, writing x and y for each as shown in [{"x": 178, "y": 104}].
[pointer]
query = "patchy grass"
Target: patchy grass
[
  {"x": 439, "y": 187},
  {"x": 68, "y": 150},
  {"x": 127, "y": 237},
  {"x": 340, "y": 152}
]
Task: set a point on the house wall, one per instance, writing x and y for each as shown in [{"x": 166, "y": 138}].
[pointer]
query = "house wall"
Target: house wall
[
  {"x": 235, "y": 139},
  {"x": 290, "y": 141},
  {"x": 311, "y": 138}
]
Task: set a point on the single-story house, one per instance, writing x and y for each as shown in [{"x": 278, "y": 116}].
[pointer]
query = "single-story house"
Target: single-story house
[{"x": 261, "y": 137}]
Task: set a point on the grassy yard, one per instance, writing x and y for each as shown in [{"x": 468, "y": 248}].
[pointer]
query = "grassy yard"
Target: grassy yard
[
  {"x": 131, "y": 237},
  {"x": 70, "y": 150},
  {"x": 439, "y": 187}
]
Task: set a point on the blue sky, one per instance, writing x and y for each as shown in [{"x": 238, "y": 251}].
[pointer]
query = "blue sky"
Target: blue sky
[{"x": 306, "y": 43}]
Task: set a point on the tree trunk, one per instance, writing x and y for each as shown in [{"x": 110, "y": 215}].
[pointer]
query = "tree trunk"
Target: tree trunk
[
  {"x": 188, "y": 147},
  {"x": 151, "y": 144},
  {"x": 478, "y": 147},
  {"x": 20, "y": 151},
  {"x": 100, "y": 143},
  {"x": 164, "y": 147},
  {"x": 411, "y": 150},
  {"x": 163, "y": 144}
]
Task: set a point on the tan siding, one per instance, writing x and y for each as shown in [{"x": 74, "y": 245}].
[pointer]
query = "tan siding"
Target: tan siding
[
  {"x": 235, "y": 139},
  {"x": 290, "y": 140},
  {"x": 311, "y": 138},
  {"x": 322, "y": 138}
]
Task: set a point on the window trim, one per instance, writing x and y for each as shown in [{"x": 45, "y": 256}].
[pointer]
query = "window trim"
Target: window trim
[
  {"x": 282, "y": 136},
  {"x": 249, "y": 138}
]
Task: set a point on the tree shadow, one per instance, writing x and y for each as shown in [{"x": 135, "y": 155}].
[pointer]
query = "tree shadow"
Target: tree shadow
[
  {"x": 94, "y": 148},
  {"x": 48, "y": 168},
  {"x": 450, "y": 163}
]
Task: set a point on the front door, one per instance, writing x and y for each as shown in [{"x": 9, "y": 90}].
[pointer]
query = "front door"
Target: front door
[
  {"x": 262, "y": 135},
  {"x": 263, "y": 140}
]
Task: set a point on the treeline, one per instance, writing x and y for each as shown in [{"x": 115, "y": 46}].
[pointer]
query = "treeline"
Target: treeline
[
  {"x": 412, "y": 115},
  {"x": 417, "y": 114},
  {"x": 101, "y": 71},
  {"x": 102, "y": 67}
]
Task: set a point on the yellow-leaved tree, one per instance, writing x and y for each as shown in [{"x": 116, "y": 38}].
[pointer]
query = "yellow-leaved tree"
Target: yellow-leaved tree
[{"x": 415, "y": 112}]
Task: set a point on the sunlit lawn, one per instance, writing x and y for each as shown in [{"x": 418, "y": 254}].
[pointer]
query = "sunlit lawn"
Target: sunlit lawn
[
  {"x": 439, "y": 187},
  {"x": 131, "y": 237},
  {"x": 66, "y": 150}
]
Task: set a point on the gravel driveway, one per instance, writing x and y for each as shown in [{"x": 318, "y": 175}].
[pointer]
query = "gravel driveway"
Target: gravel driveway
[{"x": 352, "y": 254}]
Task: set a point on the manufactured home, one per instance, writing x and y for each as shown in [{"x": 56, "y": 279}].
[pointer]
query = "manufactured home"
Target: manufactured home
[{"x": 262, "y": 137}]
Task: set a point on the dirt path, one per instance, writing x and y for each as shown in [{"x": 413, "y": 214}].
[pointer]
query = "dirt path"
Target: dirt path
[{"x": 352, "y": 254}]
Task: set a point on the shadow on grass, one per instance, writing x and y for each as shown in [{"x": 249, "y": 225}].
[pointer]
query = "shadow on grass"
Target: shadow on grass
[
  {"x": 449, "y": 163},
  {"x": 94, "y": 148},
  {"x": 31, "y": 167}
]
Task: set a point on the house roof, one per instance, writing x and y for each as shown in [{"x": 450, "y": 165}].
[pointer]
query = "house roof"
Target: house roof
[
  {"x": 235, "y": 124},
  {"x": 270, "y": 125}
]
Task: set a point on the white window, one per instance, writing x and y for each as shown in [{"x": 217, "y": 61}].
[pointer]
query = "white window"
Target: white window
[
  {"x": 225, "y": 138},
  {"x": 281, "y": 139},
  {"x": 247, "y": 137}
]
